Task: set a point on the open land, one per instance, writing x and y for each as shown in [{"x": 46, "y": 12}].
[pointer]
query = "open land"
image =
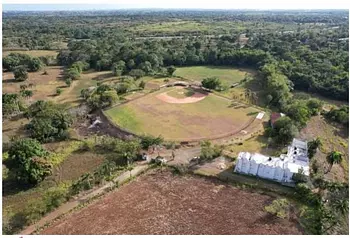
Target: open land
[
  {"x": 227, "y": 75},
  {"x": 163, "y": 203}
]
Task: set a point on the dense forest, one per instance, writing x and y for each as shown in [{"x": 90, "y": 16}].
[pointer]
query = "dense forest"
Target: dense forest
[{"x": 309, "y": 48}]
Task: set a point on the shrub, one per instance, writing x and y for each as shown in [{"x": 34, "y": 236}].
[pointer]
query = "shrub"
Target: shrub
[
  {"x": 148, "y": 140},
  {"x": 26, "y": 158},
  {"x": 59, "y": 91},
  {"x": 68, "y": 82},
  {"x": 55, "y": 196},
  {"x": 20, "y": 73},
  {"x": 209, "y": 152},
  {"x": 279, "y": 208}
]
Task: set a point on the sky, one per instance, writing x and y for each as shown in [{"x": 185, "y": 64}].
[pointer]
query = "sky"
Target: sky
[{"x": 8, "y": 5}]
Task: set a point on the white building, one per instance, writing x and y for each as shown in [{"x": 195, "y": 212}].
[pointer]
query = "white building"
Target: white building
[{"x": 280, "y": 168}]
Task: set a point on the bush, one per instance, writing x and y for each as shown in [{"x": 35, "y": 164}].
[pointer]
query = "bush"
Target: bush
[
  {"x": 279, "y": 208},
  {"x": 148, "y": 140},
  {"x": 20, "y": 73},
  {"x": 55, "y": 196},
  {"x": 211, "y": 83},
  {"x": 59, "y": 91},
  {"x": 26, "y": 159},
  {"x": 209, "y": 152},
  {"x": 68, "y": 82}
]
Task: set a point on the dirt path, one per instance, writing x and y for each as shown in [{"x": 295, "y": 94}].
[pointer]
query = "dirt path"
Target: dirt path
[{"x": 65, "y": 208}]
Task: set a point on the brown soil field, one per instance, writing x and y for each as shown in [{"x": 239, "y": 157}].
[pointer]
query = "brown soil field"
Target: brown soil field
[{"x": 163, "y": 203}]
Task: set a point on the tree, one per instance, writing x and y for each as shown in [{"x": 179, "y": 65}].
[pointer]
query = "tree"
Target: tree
[
  {"x": 49, "y": 122},
  {"x": 299, "y": 112},
  {"x": 131, "y": 64},
  {"x": 73, "y": 73},
  {"x": 313, "y": 146},
  {"x": 283, "y": 131},
  {"x": 148, "y": 140},
  {"x": 35, "y": 64},
  {"x": 208, "y": 151},
  {"x": 211, "y": 83},
  {"x": 20, "y": 73},
  {"x": 101, "y": 97},
  {"x": 137, "y": 73},
  {"x": 11, "y": 104},
  {"x": 340, "y": 115},
  {"x": 171, "y": 69},
  {"x": 27, "y": 159},
  {"x": 334, "y": 157},
  {"x": 146, "y": 67},
  {"x": 68, "y": 82},
  {"x": 341, "y": 205},
  {"x": 118, "y": 68},
  {"x": 142, "y": 84},
  {"x": 315, "y": 106}
]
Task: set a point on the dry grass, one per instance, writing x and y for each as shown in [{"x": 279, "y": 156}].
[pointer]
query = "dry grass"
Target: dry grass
[
  {"x": 44, "y": 86},
  {"x": 332, "y": 138},
  {"x": 34, "y": 53}
]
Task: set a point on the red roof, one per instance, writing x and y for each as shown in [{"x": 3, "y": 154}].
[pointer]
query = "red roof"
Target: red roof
[{"x": 274, "y": 117}]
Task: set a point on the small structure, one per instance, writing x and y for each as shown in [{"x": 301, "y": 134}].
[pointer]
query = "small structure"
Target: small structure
[
  {"x": 280, "y": 168},
  {"x": 96, "y": 122},
  {"x": 274, "y": 117}
]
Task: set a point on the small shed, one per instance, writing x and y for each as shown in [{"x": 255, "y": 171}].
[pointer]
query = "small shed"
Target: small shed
[{"x": 274, "y": 117}]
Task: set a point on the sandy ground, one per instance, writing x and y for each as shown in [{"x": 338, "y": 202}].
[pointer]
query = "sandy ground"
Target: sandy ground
[
  {"x": 196, "y": 97},
  {"x": 163, "y": 203}
]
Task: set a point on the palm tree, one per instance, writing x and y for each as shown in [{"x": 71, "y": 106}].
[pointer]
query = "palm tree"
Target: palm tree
[
  {"x": 334, "y": 157},
  {"x": 247, "y": 94},
  {"x": 341, "y": 205}
]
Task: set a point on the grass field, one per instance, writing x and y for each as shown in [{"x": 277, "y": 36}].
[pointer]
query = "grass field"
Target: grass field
[
  {"x": 227, "y": 75},
  {"x": 206, "y": 118},
  {"x": 35, "y": 53}
]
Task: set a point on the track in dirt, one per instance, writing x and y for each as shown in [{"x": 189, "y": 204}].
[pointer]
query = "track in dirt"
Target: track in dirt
[{"x": 163, "y": 203}]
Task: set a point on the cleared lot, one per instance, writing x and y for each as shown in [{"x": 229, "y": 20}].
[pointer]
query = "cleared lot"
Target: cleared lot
[{"x": 163, "y": 203}]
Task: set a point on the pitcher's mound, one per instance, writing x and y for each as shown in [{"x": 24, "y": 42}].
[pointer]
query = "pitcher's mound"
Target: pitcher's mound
[{"x": 195, "y": 97}]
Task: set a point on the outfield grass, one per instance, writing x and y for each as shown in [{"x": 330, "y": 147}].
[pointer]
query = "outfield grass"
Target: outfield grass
[
  {"x": 227, "y": 75},
  {"x": 209, "y": 117}
]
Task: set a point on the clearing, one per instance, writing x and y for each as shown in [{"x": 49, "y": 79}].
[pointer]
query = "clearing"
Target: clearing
[
  {"x": 33, "y": 53},
  {"x": 208, "y": 118},
  {"x": 332, "y": 138},
  {"x": 227, "y": 75},
  {"x": 163, "y": 203}
]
